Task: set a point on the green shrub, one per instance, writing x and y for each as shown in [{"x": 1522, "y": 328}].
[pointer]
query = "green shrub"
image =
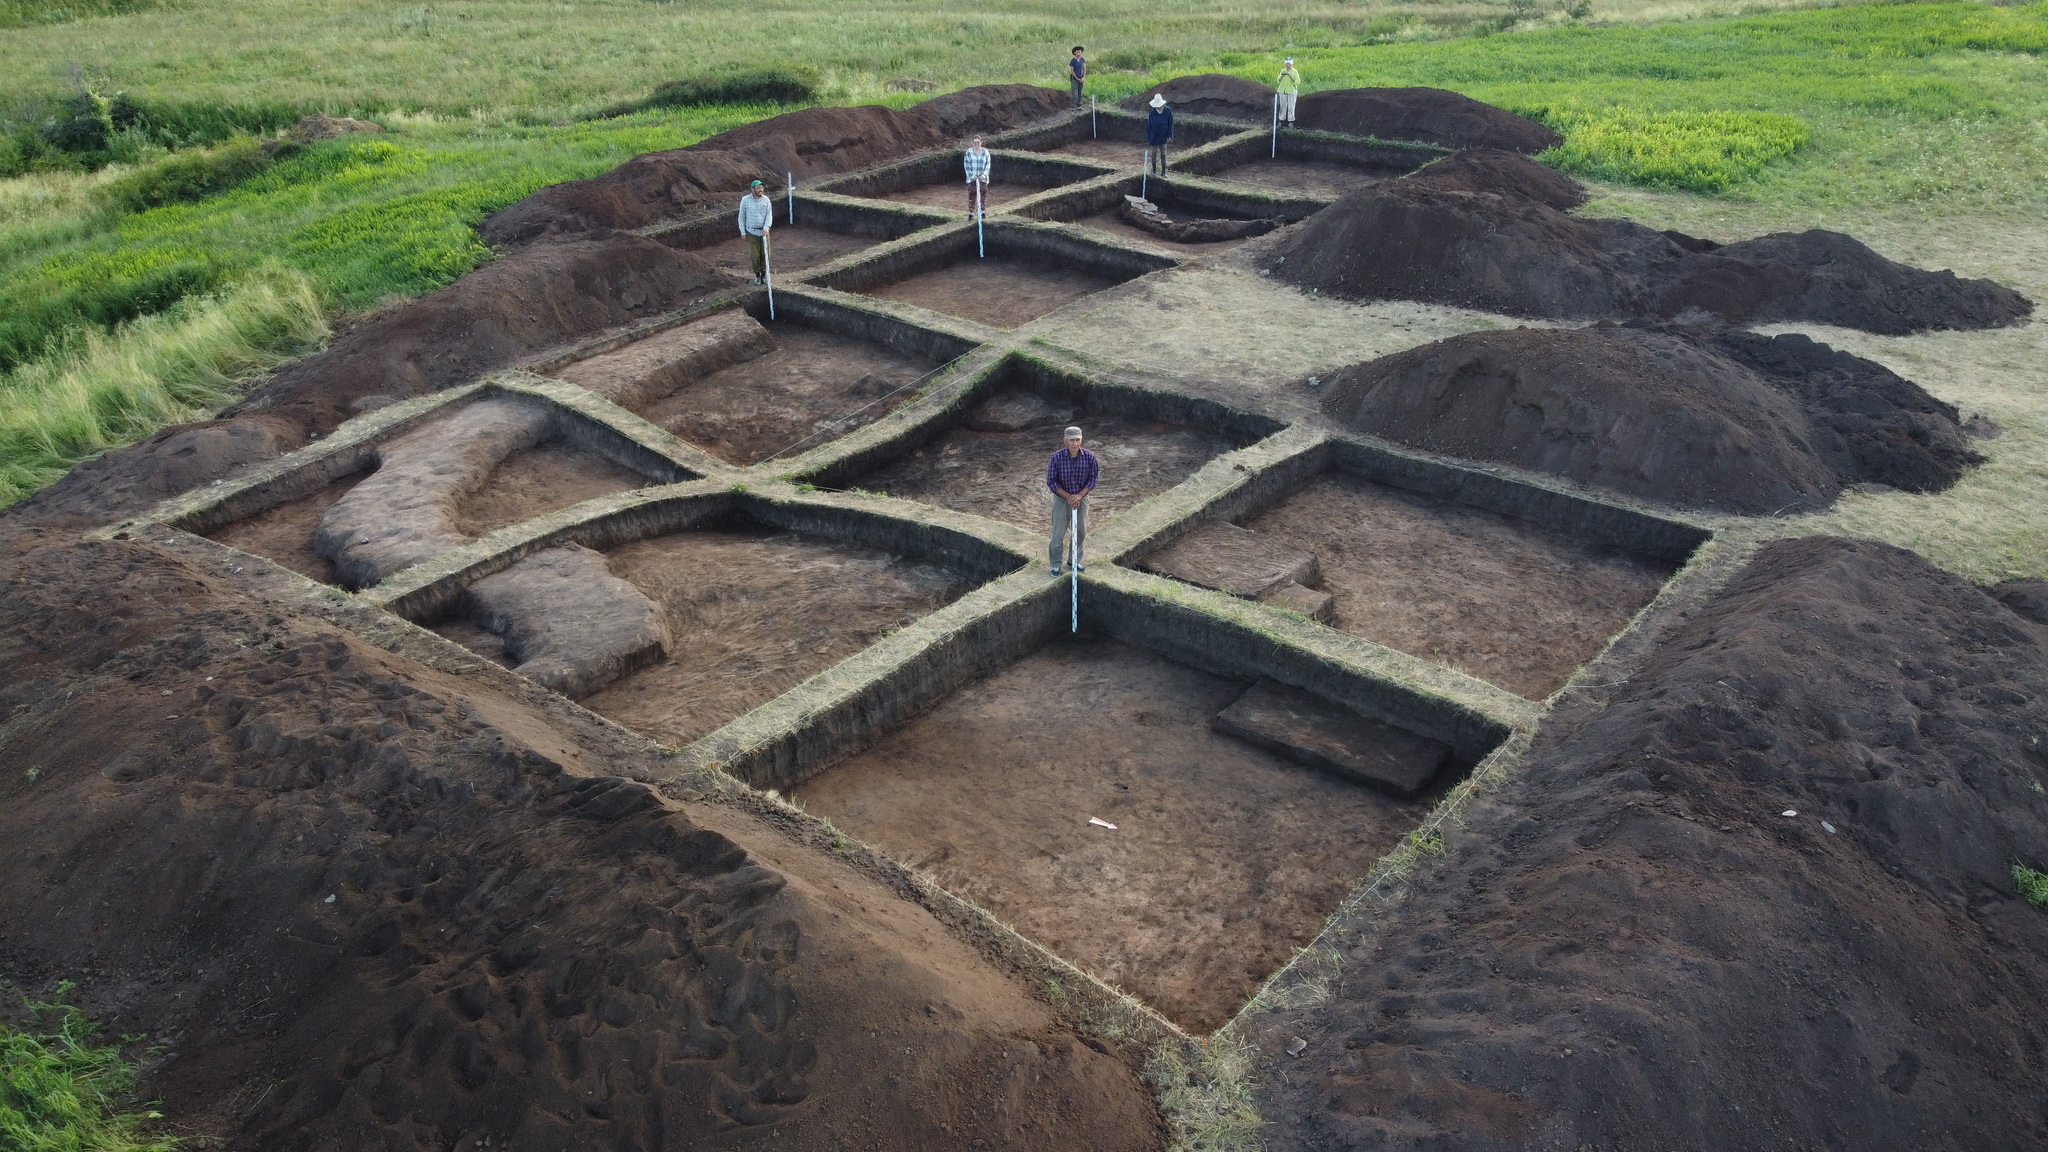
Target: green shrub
[
  {"x": 783, "y": 84},
  {"x": 87, "y": 131},
  {"x": 1697, "y": 151},
  {"x": 59, "y": 1092},
  {"x": 193, "y": 174},
  {"x": 2031, "y": 884}
]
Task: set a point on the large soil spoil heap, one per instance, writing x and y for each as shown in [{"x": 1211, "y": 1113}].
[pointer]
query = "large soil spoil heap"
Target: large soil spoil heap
[
  {"x": 1764, "y": 888},
  {"x": 1478, "y": 240},
  {"x": 1431, "y": 115},
  {"x": 1732, "y": 421},
  {"x": 1209, "y": 94}
]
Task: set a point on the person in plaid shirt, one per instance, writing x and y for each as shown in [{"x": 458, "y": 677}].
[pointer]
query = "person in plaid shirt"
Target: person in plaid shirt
[
  {"x": 1070, "y": 477},
  {"x": 977, "y": 162}
]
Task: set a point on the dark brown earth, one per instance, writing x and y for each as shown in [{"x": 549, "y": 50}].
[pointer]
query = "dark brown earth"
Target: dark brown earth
[
  {"x": 1503, "y": 173},
  {"x": 1309, "y": 177},
  {"x": 1431, "y": 115},
  {"x": 1420, "y": 239},
  {"x": 791, "y": 248},
  {"x": 998, "y": 291},
  {"x": 1114, "y": 222},
  {"x": 810, "y": 387},
  {"x": 2029, "y": 598},
  {"x": 754, "y": 613},
  {"x": 812, "y": 143},
  {"x": 1497, "y": 598},
  {"x": 285, "y": 533},
  {"x": 1210, "y": 94},
  {"x": 1734, "y": 422},
  {"x": 363, "y": 904},
  {"x": 1628, "y": 946},
  {"x": 1225, "y": 858},
  {"x": 535, "y": 481}
]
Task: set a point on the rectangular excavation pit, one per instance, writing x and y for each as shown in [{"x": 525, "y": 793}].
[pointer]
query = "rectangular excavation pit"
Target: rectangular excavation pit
[
  {"x": 1226, "y": 857},
  {"x": 824, "y": 230},
  {"x": 1102, "y": 209},
  {"x": 558, "y": 460},
  {"x": 1116, "y": 138},
  {"x": 988, "y": 454},
  {"x": 939, "y": 180},
  {"x": 1027, "y": 273},
  {"x": 1512, "y": 584},
  {"x": 750, "y": 598},
  {"x": 1312, "y": 164},
  {"x": 744, "y": 387}
]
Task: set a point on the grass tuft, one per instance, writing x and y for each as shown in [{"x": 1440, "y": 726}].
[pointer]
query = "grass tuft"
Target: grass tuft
[
  {"x": 60, "y": 1092},
  {"x": 2032, "y": 885},
  {"x": 1205, "y": 1089},
  {"x": 186, "y": 176}
]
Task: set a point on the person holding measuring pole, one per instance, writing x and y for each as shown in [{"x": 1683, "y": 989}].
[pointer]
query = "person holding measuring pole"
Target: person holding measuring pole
[
  {"x": 977, "y": 162},
  {"x": 1288, "y": 87},
  {"x": 1071, "y": 478},
  {"x": 757, "y": 216},
  {"x": 1158, "y": 130}
]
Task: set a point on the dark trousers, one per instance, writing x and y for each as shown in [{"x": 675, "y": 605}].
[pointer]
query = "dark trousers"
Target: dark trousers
[
  {"x": 1074, "y": 82},
  {"x": 1155, "y": 159}
]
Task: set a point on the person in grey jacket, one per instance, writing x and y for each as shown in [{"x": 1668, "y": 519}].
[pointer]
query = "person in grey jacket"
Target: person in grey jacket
[{"x": 757, "y": 216}]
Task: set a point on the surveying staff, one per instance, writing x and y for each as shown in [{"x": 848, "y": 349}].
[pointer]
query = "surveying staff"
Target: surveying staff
[
  {"x": 977, "y": 163},
  {"x": 1158, "y": 130},
  {"x": 757, "y": 216},
  {"x": 1077, "y": 72},
  {"x": 1289, "y": 86},
  {"x": 1070, "y": 477}
]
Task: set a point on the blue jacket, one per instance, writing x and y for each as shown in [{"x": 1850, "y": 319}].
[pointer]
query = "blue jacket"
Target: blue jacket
[{"x": 1159, "y": 126}]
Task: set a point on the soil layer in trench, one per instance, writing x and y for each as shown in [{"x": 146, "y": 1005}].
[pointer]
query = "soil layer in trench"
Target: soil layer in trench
[
  {"x": 996, "y": 291},
  {"x": 1502, "y": 599},
  {"x": 285, "y": 533},
  {"x": 1305, "y": 176},
  {"x": 1126, "y": 153},
  {"x": 791, "y": 247},
  {"x": 812, "y": 384},
  {"x": 1224, "y": 859},
  {"x": 1112, "y": 222},
  {"x": 1001, "y": 475},
  {"x": 536, "y": 481},
  {"x": 952, "y": 193},
  {"x": 753, "y": 613}
]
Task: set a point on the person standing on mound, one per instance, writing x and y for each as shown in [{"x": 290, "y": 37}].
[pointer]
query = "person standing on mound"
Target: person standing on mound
[
  {"x": 1288, "y": 86},
  {"x": 1077, "y": 74},
  {"x": 1158, "y": 130},
  {"x": 757, "y": 216},
  {"x": 977, "y": 162},
  {"x": 1071, "y": 477}
]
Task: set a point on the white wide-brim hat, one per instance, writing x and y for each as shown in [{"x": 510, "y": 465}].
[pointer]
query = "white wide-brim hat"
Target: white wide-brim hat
[{"x": 1158, "y": 101}]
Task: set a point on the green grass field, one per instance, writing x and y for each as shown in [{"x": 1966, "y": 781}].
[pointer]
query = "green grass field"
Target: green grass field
[{"x": 1896, "y": 107}]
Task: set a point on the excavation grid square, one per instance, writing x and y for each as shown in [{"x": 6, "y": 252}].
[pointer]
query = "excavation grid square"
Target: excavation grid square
[
  {"x": 792, "y": 247},
  {"x": 1319, "y": 178},
  {"x": 285, "y": 533},
  {"x": 1225, "y": 858},
  {"x": 1000, "y": 290}
]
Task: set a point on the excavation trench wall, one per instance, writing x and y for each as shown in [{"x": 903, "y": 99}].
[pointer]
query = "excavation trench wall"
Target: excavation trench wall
[
  {"x": 1188, "y": 131},
  {"x": 1181, "y": 197},
  {"x": 860, "y": 324},
  {"x": 1004, "y": 240},
  {"x": 1028, "y": 169},
  {"x": 883, "y": 221}
]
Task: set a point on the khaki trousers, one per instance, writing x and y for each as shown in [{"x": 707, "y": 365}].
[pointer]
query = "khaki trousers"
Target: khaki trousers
[{"x": 1060, "y": 516}]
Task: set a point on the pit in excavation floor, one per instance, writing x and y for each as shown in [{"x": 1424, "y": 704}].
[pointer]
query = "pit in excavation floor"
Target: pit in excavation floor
[
  {"x": 1001, "y": 291},
  {"x": 1502, "y": 599},
  {"x": 1309, "y": 177},
  {"x": 1001, "y": 474},
  {"x": 791, "y": 247},
  {"x": 285, "y": 533},
  {"x": 1225, "y": 858},
  {"x": 753, "y": 612},
  {"x": 1111, "y": 221}
]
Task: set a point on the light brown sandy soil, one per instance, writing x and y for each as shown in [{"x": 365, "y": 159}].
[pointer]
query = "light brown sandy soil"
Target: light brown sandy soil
[
  {"x": 791, "y": 247},
  {"x": 952, "y": 193},
  {"x": 1305, "y": 176},
  {"x": 755, "y": 613},
  {"x": 996, "y": 291},
  {"x": 1125, "y": 152},
  {"x": 535, "y": 481},
  {"x": 1501, "y": 599},
  {"x": 1001, "y": 475},
  {"x": 1225, "y": 859},
  {"x": 811, "y": 384},
  {"x": 285, "y": 533}
]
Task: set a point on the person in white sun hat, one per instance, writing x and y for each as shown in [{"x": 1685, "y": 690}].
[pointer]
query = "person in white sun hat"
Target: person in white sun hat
[
  {"x": 1288, "y": 86},
  {"x": 1158, "y": 130}
]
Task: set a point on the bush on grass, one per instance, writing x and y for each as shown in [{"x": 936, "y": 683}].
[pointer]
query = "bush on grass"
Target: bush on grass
[
  {"x": 783, "y": 84},
  {"x": 193, "y": 174},
  {"x": 1696, "y": 151},
  {"x": 2031, "y": 884},
  {"x": 86, "y": 131},
  {"x": 60, "y": 1092}
]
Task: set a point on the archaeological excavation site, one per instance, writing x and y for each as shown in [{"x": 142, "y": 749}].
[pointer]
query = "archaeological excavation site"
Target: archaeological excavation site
[{"x": 611, "y": 703}]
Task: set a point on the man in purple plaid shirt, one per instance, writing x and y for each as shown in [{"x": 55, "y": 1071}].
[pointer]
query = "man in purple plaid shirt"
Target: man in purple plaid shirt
[{"x": 1070, "y": 477}]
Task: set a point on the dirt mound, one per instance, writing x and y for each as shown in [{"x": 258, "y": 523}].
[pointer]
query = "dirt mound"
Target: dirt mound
[
  {"x": 1828, "y": 278},
  {"x": 812, "y": 143},
  {"x": 1505, "y": 174},
  {"x": 1421, "y": 239},
  {"x": 1431, "y": 115},
  {"x": 1628, "y": 946},
  {"x": 1210, "y": 94},
  {"x": 1731, "y": 421},
  {"x": 364, "y": 904},
  {"x": 540, "y": 297},
  {"x": 2029, "y": 598},
  {"x": 1644, "y": 413}
]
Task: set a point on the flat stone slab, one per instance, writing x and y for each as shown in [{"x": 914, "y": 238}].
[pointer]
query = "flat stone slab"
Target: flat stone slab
[
  {"x": 647, "y": 370},
  {"x": 1311, "y": 731},
  {"x": 1319, "y": 606},
  {"x": 571, "y": 625},
  {"x": 1231, "y": 559}
]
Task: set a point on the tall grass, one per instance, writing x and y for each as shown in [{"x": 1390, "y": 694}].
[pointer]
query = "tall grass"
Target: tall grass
[
  {"x": 108, "y": 388},
  {"x": 62, "y": 1092}
]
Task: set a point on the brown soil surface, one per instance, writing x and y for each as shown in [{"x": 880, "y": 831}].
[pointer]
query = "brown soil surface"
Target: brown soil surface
[
  {"x": 811, "y": 143},
  {"x": 363, "y": 904},
  {"x": 1431, "y": 115},
  {"x": 997, "y": 291},
  {"x": 285, "y": 533},
  {"x": 1422, "y": 239},
  {"x": 1210, "y": 94},
  {"x": 1310, "y": 178},
  {"x": 1680, "y": 416},
  {"x": 791, "y": 248},
  {"x": 1001, "y": 475},
  {"x": 538, "y": 480},
  {"x": 1225, "y": 858},
  {"x": 2029, "y": 598},
  {"x": 755, "y": 613},
  {"x": 1503, "y": 173},
  {"x": 812, "y": 383},
  {"x": 1501, "y": 599},
  {"x": 952, "y": 194},
  {"x": 1629, "y": 946},
  {"x": 1126, "y": 153}
]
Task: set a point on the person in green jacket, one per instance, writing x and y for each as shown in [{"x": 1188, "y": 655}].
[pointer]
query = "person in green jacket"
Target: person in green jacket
[{"x": 1289, "y": 86}]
